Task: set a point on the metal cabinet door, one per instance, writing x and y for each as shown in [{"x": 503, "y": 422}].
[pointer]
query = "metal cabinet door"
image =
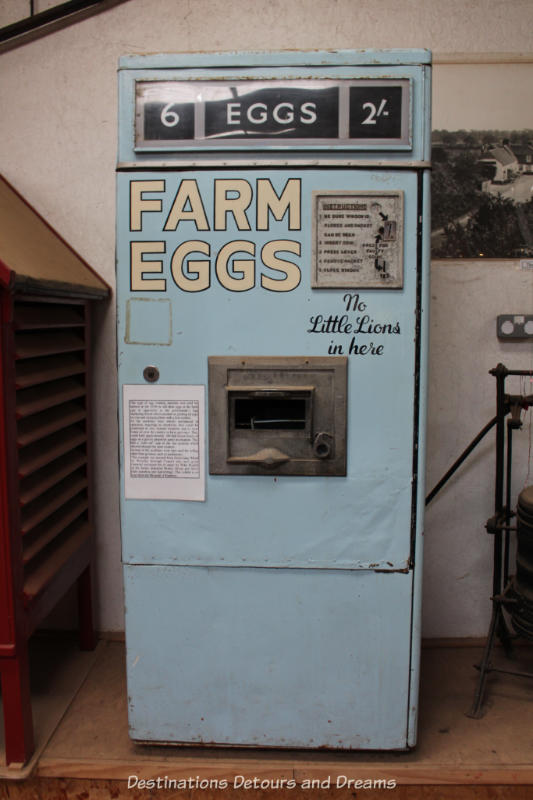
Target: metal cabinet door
[{"x": 363, "y": 520}]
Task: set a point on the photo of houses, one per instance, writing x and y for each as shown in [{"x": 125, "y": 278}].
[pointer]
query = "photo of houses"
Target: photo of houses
[{"x": 482, "y": 194}]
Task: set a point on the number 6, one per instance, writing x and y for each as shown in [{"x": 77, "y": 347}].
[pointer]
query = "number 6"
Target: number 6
[{"x": 169, "y": 118}]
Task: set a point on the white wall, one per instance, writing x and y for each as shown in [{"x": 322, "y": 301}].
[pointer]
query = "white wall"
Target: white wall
[
  {"x": 58, "y": 145},
  {"x": 466, "y": 298}
]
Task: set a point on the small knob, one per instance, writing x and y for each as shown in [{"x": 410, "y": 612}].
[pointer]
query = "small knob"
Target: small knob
[
  {"x": 151, "y": 374},
  {"x": 322, "y": 444}
]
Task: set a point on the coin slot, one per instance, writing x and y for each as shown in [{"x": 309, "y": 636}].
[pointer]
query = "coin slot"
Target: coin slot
[{"x": 269, "y": 411}]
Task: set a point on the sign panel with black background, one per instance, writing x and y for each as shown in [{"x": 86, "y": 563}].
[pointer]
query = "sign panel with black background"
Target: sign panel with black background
[
  {"x": 174, "y": 114},
  {"x": 377, "y": 108}
]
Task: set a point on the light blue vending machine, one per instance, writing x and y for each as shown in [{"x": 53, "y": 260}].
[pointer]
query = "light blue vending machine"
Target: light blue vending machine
[{"x": 273, "y": 260}]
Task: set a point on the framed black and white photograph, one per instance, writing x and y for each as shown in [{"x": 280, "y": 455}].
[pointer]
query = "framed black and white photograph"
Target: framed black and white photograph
[{"x": 482, "y": 156}]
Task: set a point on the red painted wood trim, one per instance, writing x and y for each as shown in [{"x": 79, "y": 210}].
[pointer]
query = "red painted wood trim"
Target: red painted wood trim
[
  {"x": 7, "y": 611},
  {"x": 6, "y": 275},
  {"x": 14, "y": 669},
  {"x": 18, "y": 724}
]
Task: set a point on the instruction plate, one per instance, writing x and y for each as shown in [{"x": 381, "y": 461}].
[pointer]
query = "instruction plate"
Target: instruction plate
[{"x": 357, "y": 240}]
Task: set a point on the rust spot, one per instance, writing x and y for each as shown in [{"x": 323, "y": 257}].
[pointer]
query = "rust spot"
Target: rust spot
[{"x": 403, "y": 571}]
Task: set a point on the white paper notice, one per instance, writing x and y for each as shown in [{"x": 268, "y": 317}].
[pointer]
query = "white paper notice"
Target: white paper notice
[{"x": 164, "y": 442}]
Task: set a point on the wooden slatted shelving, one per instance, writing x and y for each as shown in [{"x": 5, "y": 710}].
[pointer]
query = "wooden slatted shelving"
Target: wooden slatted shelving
[
  {"x": 52, "y": 454},
  {"x": 43, "y": 479},
  {"x": 40, "y": 397},
  {"x": 46, "y": 539},
  {"x": 31, "y": 372},
  {"x": 42, "y": 535},
  {"x": 30, "y": 317},
  {"x": 34, "y": 430},
  {"x": 47, "y": 344},
  {"x": 45, "y": 566},
  {"x": 45, "y": 450}
]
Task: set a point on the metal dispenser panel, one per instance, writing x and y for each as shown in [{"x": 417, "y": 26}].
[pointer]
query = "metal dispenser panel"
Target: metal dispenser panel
[
  {"x": 285, "y": 415},
  {"x": 272, "y": 253}
]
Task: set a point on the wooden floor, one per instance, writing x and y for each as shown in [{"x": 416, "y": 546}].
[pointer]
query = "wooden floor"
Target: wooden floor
[{"x": 91, "y": 756}]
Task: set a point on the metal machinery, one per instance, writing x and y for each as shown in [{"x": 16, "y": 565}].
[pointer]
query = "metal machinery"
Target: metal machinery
[
  {"x": 512, "y": 595},
  {"x": 272, "y": 256}
]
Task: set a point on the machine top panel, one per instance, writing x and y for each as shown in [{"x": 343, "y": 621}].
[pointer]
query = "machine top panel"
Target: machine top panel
[
  {"x": 322, "y": 58},
  {"x": 183, "y": 109}
]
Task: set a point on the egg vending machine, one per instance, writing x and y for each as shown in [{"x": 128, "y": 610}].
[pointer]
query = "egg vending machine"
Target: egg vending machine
[{"x": 272, "y": 279}]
